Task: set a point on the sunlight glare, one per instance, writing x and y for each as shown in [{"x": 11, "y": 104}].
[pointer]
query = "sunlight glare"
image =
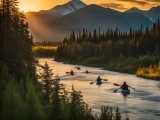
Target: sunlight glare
[{"x": 25, "y": 10}]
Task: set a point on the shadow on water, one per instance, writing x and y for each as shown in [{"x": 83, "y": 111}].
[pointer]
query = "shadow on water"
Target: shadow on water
[
  {"x": 152, "y": 98},
  {"x": 140, "y": 93}
]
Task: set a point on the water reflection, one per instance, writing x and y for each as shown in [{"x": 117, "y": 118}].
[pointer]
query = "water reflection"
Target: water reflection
[{"x": 124, "y": 96}]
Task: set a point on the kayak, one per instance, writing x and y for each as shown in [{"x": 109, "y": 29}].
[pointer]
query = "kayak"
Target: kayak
[
  {"x": 125, "y": 91},
  {"x": 99, "y": 83}
]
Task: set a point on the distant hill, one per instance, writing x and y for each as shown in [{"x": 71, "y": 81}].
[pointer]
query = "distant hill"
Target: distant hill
[{"x": 47, "y": 27}]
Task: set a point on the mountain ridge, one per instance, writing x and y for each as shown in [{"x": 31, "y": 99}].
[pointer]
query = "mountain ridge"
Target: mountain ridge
[
  {"x": 90, "y": 17},
  {"x": 153, "y": 13}
]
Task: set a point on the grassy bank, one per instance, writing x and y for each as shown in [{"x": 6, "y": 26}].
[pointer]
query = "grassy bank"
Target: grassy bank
[{"x": 44, "y": 51}]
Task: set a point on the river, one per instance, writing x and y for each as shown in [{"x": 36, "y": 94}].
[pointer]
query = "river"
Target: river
[{"x": 142, "y": 104}]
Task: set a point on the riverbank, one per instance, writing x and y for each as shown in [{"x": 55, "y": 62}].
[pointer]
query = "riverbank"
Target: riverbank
[
  {"x": 129, "y": 66},
  {"x": 111, "y": 66}
]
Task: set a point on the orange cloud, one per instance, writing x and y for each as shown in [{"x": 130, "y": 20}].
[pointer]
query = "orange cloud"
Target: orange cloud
[
  {"x": 114, "y": 6},
  {"x": 158, "y": 1},
  {"x": 135, "y": 1}
]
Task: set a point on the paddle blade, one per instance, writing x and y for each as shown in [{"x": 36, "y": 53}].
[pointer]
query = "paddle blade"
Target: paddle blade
[
  {"x": 91, "y": 82},
  {"x": 131, "y": 87},
  {"x": 115, "y": 91},
  {"x": 116, "y": 84},
  {"x": 105, "y": 79}
]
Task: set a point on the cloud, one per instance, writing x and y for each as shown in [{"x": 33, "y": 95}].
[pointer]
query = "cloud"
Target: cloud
[
  {"x": 113, "y": 5},
  {"x": 137, "y": 1},
  {"x": 158, "y": 1}
]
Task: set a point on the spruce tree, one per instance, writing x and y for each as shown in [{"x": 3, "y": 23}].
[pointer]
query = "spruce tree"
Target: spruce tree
[
  {"x": 33, "y": 107},
  {"x": 4, "y": 78},
  {"x": 13, "y": 107},
  {"x": 46, "y": 82},
  {"x": 78, "y": 109},
  {"x": 16, "y": 43},
  {"x": 56, "y": 111}
]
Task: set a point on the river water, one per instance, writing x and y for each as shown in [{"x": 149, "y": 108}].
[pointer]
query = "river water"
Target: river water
[{"x": 142, "y": 104}]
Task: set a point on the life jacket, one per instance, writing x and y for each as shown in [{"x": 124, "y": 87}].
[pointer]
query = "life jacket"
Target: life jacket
[{"x": 99, "y": 79}]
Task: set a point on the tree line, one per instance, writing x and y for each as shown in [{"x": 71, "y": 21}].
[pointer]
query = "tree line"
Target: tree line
[{"x": 103, "y": 47}]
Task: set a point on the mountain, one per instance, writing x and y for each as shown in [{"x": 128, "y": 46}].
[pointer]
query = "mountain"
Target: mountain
[
  {"x": 64, "y": 9},
  {"x": 93, "y": 17},
  {"x": 153, "y": 14},
  {"x": 46, "y": 27},
  {"x": 135, "y": 9}
]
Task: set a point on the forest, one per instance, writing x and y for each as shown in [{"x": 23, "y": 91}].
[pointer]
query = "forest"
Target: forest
[
  {"x": 123, "y": 51},
  {"x": 25, "y": 92}
]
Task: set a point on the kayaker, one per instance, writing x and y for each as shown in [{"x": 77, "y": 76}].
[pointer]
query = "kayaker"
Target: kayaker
[
  {"x": 71, "y": 73},
  {"x": 124, "y": 86},
  {"x": 86, "y": 71},
  {"x": 99, "y": 79},
  {"x": 78, "y": 68}
]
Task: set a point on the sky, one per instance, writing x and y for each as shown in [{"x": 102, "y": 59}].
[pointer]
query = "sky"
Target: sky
[{"x": 120, "y": 5}]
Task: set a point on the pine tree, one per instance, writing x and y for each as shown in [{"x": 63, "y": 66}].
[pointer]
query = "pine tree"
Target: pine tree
[
  {"x": 4, "y": 78},
  {"x": 78, "y": 109},
  {"x": 16, "y": 43},
  {"x": 46, "y": 82},
  {"x": 106, "y": 113},
  {"x": 56, "y": 111},
  {"x": 33, "y": 107},
  {"x": 13, "y": 107}
]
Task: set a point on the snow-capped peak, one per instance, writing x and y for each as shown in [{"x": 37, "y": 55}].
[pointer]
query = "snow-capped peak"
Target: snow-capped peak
[
  {"x": 69, "y": 7},
  {"x": 64, "y": 9}
]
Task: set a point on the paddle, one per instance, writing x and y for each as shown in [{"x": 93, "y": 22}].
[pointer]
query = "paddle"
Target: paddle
[
  {"x": 131, "y": 87},
  {"x": 96, "y": 80},
  {"x": 105, "y": 79},
  {"x": 116, "y": 84},
  {"x": 116, "y": 90},
  {"x": 120, "y": 85},
  {"x": 92, "y": 82}
]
